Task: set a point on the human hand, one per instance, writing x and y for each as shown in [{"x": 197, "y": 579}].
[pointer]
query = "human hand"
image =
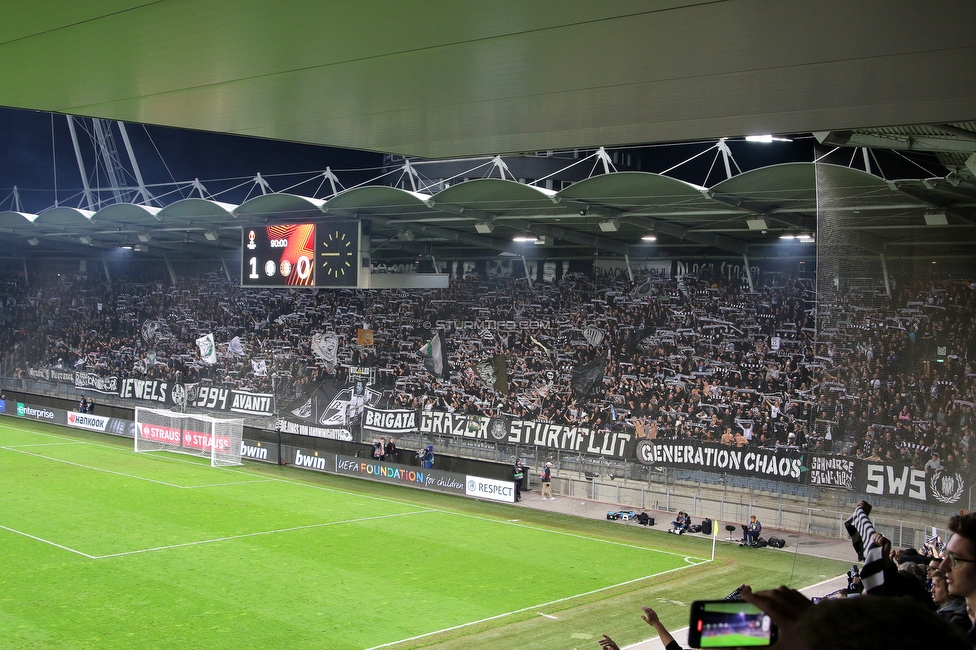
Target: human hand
[
  {"x": 783, "y": 605},
  {"x": 865, "y": 506},
  {"x": 650, "y": 616},
  {"x": 606, "y": 643}
]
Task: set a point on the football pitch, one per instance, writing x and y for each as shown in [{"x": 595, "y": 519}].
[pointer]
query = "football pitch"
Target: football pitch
[{"x": 105, "y": 548}]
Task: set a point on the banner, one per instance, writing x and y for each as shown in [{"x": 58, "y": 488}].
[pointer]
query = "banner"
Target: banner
[
  {"x": 903, "y": 482},
  {"x": 53, "y": 375},
  {"x": 778, "y": 464},
  {"x": 488, "y": 488},
  {"x": 302, "y": 429},
  {"x": 615, "y": 444},
  {"x": 97, "y": 383},
  {"x": 334, "y": 404},
  {"x": 413, "y": 476},
  {"x": 41, "y": 413},
  {"x": 393, "y": 422},
  {"x": 832, "y": 471}
]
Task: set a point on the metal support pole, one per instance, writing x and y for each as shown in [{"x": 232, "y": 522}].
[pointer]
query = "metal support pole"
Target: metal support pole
[
  {"x": 81, "y": 164},
  {"x": 630, "y": 274},
  {"x": 146, "y": 197},
  {"x": 525, "y": 267},
  {"x": 884, "y": 271},
  {"x": 745, "y": 262}
]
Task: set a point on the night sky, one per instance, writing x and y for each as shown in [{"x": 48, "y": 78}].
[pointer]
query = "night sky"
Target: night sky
[{"x": 28, "y": 160}]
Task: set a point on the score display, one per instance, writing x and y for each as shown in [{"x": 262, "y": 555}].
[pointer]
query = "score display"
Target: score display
[{"x": 301, "y": 255}]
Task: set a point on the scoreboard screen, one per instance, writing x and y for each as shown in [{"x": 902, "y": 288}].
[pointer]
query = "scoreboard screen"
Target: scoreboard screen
[{"x": 301, "y": 255}]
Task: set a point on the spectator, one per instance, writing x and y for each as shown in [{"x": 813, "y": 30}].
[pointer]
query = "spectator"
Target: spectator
[
  {"x": 652, "y": 619},
  {"x": 950, "y": 607},
  {"x": 864, "y": 623},
  {"x": 959, "y": 562}
]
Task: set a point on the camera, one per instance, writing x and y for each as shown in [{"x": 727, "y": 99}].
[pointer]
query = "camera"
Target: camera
[{"x": 729, "y": 624}]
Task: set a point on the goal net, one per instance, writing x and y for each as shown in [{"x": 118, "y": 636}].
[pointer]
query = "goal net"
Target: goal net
[{"x": 198, "y": 435}]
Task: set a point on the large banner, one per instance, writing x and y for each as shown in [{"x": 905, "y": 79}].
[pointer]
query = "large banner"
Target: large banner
[
  {"x": 903, "y": 482},
  {"x": 162, "y": 393},
  {"x": 97, "y": 383},
  {"x": 391, "y": 422},
  {"x": 611, "y": 444},
  {"x": 302, "y": 429},
  {"x": 431, "y": 479},
  {"x": 782, "y": 465}
]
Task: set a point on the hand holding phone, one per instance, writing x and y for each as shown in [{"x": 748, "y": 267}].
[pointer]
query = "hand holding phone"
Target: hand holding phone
[{"x": 729, "y": 624}]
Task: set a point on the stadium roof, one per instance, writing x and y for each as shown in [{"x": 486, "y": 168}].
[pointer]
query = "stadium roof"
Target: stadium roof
[{"x": 452, "y": 79}]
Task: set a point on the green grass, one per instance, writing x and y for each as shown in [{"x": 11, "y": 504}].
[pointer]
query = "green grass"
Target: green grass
[{"x": 105, "y": 548}]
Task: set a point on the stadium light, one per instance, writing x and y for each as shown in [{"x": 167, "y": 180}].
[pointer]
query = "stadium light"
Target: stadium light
[
  {"x": 610, "y": 225},
  {"x": 648, "y": 238},
  {"x": 33, "y": 241},
  {"x": 524, "y": 240},
  {"x": 144, "y": 237},
  {"x": 484, "y": 227},
  {"x": 757, "y": 224},
  {"x": 86, "y": 239},
  {"x": 211, "y": 235},
  {"x": 766, "y": 139}
]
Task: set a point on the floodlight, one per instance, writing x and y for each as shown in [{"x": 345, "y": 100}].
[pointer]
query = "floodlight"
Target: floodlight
[
  {"x": 610, "y": 225},
  {"x": 484, "y": 227},
  {"x": 936, "y": 219},
  {"x": 33, "y": 241},
  {"x": 211, "y": 235},
  {"x": 86, "y": 239},
  {"x": 757, "y": 224}
]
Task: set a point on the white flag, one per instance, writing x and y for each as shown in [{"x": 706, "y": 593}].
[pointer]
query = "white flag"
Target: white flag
[
  {"x": 235, "y": 347},
  {"x": 326, "y": 347},
  {"x": 259, "y": 367},
  {"x": 208, "y": 351},
  {"x": 593, "y": 335}
]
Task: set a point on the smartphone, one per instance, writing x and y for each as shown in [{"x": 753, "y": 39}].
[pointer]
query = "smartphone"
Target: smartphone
[{"x": 729, "y": 624}]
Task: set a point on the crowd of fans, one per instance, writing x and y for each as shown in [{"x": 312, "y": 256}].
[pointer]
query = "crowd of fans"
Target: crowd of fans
[
  {"x": 901, "y": 598},
  {"x": 694, "y": 357}
]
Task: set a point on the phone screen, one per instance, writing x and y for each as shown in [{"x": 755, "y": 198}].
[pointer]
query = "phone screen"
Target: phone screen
[{"x": 728, "y": 624}]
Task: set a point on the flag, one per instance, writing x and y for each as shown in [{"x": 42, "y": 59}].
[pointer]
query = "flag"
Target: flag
[
  {"x": 150, "y": 330},
  {"x": 259, "y": 367},
  {"x": 326, "y": 347},
  {"x": 588, "y": 377},
  {"x": 645, "y": 288},
  {"x": 436, "y": 352},
  {"x": 235, "y": 347},
  {"x": 364, "y": 336},
  {"x": 208, "y": 351},
  {"x": 861, "y": 530},
  {"x": 775, "y": 342},
  {"x": 593, "y": 335},
  {"x": 548, "y": 351},
  {"x": 494, "y": 372}
]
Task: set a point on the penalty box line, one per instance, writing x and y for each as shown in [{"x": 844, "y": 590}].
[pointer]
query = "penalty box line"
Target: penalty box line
[
  {"x": 17, "y": 450},
  {"x": 257, "y": 534},
  {"x": 49, "y": 542},
  {"x": 531, "y": 608}
]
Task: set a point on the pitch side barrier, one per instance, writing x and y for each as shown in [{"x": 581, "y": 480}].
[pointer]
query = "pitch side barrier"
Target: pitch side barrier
[{"x": 303, "y": 458}]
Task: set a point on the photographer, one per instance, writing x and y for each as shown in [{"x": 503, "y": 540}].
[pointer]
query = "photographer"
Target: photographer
[{"x": 751, "y": 531}]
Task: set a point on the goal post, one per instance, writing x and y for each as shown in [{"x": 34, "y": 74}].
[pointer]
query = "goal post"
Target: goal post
[{"x": 186, "y": 433}]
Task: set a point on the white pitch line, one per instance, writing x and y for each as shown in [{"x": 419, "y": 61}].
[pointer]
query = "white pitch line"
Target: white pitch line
[
  {"x": 132, "y": 476},
  {"x": 94, "y": 469},
  {"x": 526, "y": 609},
  {"x": 257, "y": 534},
  {"x": 518, "y": 524},
  {"x": 47, "y": 541},
  {"x": 44, "y": 444}
]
